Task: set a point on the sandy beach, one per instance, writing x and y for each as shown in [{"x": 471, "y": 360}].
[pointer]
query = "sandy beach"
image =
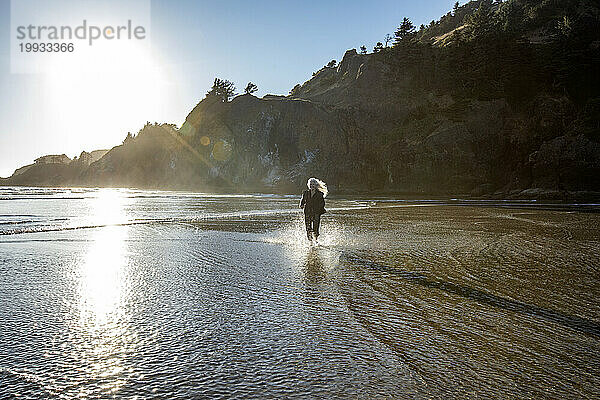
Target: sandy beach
[{"x": 180, "y": 295}]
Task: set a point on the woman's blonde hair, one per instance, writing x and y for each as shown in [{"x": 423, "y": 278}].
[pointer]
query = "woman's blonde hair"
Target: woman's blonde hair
[{"x": 319, "y": 185}]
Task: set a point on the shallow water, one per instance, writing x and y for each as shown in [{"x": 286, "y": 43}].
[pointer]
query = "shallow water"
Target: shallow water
[{"x": 125, "y": 293}]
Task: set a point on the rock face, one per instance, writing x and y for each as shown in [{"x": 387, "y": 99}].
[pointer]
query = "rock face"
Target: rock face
[
  {"x": 53, "y": 159},
  {"x": 566, "y": 163},
  {"x": 359, "y": 130},
  {"x": 266, "y": 143},
  {"x": 86, "y": 158}
]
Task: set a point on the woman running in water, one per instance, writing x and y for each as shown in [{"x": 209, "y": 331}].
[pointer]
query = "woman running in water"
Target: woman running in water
[{"x": 313, "y": 202}]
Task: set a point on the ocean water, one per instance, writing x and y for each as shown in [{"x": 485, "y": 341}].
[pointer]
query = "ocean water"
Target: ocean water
[{"x": 114, "y": 293}]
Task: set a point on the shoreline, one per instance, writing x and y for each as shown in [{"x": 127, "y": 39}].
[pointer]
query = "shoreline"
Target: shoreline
[{"x": 531, "y": 194}]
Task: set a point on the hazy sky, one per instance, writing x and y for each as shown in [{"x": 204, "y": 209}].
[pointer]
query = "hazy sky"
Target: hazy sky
[{"x": 273, "y": 43}]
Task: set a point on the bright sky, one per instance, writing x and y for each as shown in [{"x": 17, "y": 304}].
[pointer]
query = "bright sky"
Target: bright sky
[{"x": 273, "y": 43}]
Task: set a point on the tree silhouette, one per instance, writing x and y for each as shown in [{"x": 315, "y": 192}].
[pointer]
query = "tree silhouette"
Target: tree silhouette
[
  {"x": 455, "y": 9},
  {"x": 331, "y": 64},
  {"x": 250, "y": 88},
  {"x": 223, "y": 89},
  {"x": 387, "y": 39},
  {"x": 406, "y": 29},
  {"x": 363, "y": 49},
  {"x": 378, "y": 47}
]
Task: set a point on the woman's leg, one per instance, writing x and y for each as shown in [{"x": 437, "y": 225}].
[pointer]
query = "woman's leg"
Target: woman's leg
[
  {"x": 316, "y": 223},
  {"x": 308, "y": 223}
]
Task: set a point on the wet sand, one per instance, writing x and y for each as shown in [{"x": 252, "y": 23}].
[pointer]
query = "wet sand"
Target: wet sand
[{"x": 176, "y": 296}]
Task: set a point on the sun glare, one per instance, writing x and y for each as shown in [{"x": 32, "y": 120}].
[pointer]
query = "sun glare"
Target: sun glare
[
  {"x": 103, "y": 286},
  {"x": 103, "y": 271},
  {"x": 95, "y": 98},
  {"x": 102, "y": 274}
]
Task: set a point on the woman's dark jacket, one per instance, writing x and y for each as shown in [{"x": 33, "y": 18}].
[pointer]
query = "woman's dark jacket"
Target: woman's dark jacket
[{"x": 313, "y": 205}]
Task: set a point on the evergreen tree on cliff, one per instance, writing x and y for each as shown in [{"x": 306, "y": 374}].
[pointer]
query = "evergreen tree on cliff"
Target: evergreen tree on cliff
[
  {"x": 405, "y": 30},
  {"x": 481, "y": 23},
  {"x": 250, "y": 88},
  {"x": 223, "y": 89}
]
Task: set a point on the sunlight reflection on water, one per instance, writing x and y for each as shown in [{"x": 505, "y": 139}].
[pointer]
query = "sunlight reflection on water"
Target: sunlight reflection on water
[
  {"x": 102, "y": 338},
  {"x": 109, "y": 207},
  {"x": 103, "y": 276}
]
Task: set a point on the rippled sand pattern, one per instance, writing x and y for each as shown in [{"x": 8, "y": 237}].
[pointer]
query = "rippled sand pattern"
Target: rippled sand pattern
[{"x": 161, "y": 295}]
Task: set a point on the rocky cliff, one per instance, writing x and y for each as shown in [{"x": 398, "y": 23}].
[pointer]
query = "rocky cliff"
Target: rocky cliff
[
  {"x": 360, "y": 126},
  {"x": 349, "y": 126}
]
